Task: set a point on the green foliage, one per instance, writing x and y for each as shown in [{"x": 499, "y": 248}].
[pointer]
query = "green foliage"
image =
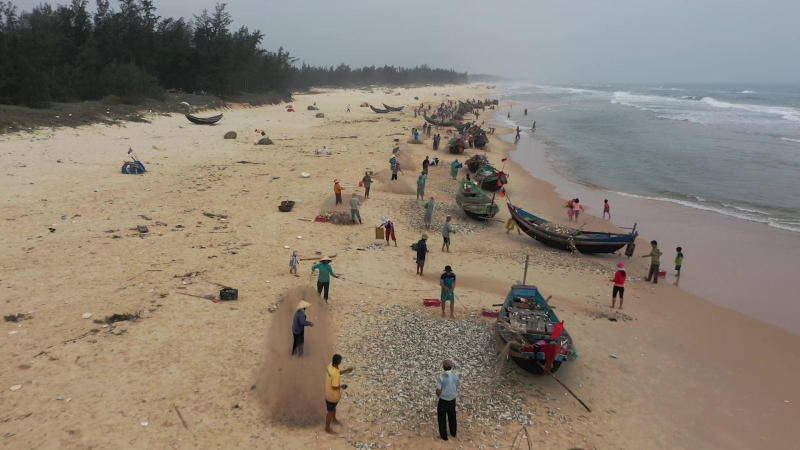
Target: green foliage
[
  {"x": 343, "y": 76},
  {"x": 130, "y": 83},
  {"x": 110, "y": 100}
]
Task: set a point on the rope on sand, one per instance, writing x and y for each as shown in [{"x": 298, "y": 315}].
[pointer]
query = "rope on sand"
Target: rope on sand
[{"x": 388, "y": 289}]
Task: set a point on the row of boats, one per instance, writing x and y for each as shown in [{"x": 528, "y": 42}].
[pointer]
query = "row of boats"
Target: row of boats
[{"x": 387, "y": 109}]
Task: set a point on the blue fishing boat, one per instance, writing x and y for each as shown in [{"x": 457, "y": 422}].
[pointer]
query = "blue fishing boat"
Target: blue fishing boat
[
  {"x": 531, "y": 333},
  {"x": 565, "y": 238}
]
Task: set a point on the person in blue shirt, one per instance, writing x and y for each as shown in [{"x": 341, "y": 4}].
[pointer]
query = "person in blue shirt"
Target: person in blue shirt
[
  {"x": 448, "y": 283},
  {"x": 447, "y": 391},
  {"x": 299, "y": 324},
  {"x": 325, "y": 274}
]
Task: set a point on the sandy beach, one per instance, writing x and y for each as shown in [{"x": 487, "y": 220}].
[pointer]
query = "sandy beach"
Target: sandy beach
[{"x": 193, "y": 373}]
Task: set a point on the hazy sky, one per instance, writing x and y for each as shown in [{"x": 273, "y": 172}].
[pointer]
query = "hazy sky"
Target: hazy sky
[{"x": 545, "y": 41}]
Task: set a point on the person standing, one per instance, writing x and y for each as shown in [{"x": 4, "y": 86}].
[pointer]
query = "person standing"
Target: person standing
[
  {"x": 424, "y": 127},
  {"x": 678, "y": 261},
  {"x": 446, "y": 229},
  {"x": 454, "y": 168},
  {"x": 348, "y": 107},
  {"x": 337, "y": 191},
  {"x": 447, "y": 391},
  {"x": 655, "y": 262},
  {"x": 333, "y": 390},
  {"x": 577, "y": 208},
  {"x": 422, "y": 252},
  {"x": 619, "y": 285},
  {"x": 517, "y": 136},
  {"x": 430, "y": 205},
  {"x": 367, "y": 180},
  {"x": 421, "y": 180},
  {"x": 606, "y": 209},
  {"x": 395, "y": 169},
  {"x": 428, "y": 133},
  {"x": 425, "y": 163},
  {"x": 294, "y": 262},
  {"x": 299, "y": 324},
  {"x": 355, "y": 204},
  {"x": 533, "y": 128},
  {"x": 389, "y": 225},
  {"x": 448, "y": 283},
  {"x": 416, "y": 136},
  {"x": 526, "y": 111},
  {"x": 325, "y": 274}
]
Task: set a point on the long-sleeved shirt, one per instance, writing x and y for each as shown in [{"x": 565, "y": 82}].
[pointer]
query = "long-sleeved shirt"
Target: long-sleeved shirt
[
  {"x": 325, "y": 272},
  {"x": 619, "y": 278},
  {"x": 300, "y": 322},
  {"x": 355, "y": 203}
]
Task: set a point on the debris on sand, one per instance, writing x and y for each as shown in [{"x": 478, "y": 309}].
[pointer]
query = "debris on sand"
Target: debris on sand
[{"x": 18, "y": 317}]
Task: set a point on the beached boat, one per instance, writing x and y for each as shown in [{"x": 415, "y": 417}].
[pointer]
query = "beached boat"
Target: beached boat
[
  {"x": 529, "y": 332},
  {"x": 437, "y": 122},
  {"x": 204, "y": 120},
  {"x": 379, "y": 111},
  {"x": 475, "y": 203},
  {"x": 474, "y": 163},
  {"x": 480, "y": 140},
  {"x": 490, "y": 179},
  {"x": 393, "y": 108},
  {"x": 565, "y": 238},
  {"x": 456, "y": 146},
  {"x": 461, "y": 125}
]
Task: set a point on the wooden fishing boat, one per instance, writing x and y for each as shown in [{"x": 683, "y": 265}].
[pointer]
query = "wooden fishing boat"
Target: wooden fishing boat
[
  {"x": 379, "y": 111},
  {"x": 529, "y": 331},
  {"x": 461, "y": 125},
  {"x": 204, "y": 120},
  {"x": 565, "y": 238},
  {"x": 480, "y": 140},
  {"x": 437, "y": 122},
  {"x": 475, "y": 203},
  {"x": 393, "y": 108},
  {"x": 490, "y": 179},
  {"x": 474, "y": 163},
  {"x": 456, "y": 146}
]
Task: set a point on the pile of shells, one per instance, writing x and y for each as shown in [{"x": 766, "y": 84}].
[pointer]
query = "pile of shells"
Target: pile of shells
[
  {"x": 415, "y": 213},
  {"x": 401, "y": 362},
  {"x": 339, "y": 218}
]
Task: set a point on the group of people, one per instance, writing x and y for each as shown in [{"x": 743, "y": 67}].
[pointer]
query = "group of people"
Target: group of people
[{"x": 653, "y": 273}]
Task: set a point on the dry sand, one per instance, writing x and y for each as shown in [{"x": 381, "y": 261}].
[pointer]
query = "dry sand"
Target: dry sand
[{"x": 688, "y": 374}]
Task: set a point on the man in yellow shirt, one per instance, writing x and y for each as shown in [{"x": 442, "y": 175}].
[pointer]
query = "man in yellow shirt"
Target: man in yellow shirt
[{"x": 333, "y": 390}]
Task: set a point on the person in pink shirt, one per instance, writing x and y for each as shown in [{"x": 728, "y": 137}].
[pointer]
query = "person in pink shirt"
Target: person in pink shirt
[
  {"x": 576, "y": 208},
  {"x": 619, "y": 285}
]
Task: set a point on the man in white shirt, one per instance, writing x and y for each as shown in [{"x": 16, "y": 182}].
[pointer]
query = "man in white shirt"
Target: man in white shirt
[{"x": 447, "y": 390}]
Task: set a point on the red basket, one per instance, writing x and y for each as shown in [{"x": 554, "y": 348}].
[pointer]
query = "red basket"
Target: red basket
[
  {"x": 431, "y": 302},
  {"x": 321, "y": 219},
  {"x": 662, "y": 273},
  {"x": 490, "y": 312}
]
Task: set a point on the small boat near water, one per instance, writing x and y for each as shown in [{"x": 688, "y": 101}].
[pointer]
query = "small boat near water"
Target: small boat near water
[
  {"x": 565, "y": 238},
  {"x": 530, "y": 333},
  {"x": 379, "y": 111},
  {"x": 204, "y": 120},
  {"x": 437, "y": 122},
  {"x": 475, "y": 163},
  {"x": 491, "y": 179},
  {"x": 393, "y": 108},
  {"x": 475, "y": 203}
]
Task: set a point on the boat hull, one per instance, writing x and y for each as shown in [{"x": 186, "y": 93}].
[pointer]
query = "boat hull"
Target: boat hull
[
  {"x": 379, "y": 111},
  {"x": 599, "y": 243},
  {"x": 393, "y": 108},
  {"x": 204, "y": 120}
]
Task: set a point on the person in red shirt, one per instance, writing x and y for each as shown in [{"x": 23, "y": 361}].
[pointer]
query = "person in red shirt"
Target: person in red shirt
[{"x": 619, "y": 285}]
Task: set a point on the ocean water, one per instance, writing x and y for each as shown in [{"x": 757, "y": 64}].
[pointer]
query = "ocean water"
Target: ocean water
[{"x": 733, "y": 150}]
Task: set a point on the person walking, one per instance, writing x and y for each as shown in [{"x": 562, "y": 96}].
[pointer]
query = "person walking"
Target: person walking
[
  {"x": 367, "y": 180},
  {"x": 678, "y": 261},
  {"x": 526, "y": 111},
  {"x": 348, "y": 107},
  {"x": 325, "y": 274},
  {"x": 299, "y": 324},
  {"x": 655, "y": 262},
  {"x": 337, "y": 191},
  {"x": 422, "y": 252},
  {"x": 333, "y": 390},
  {"x": 606, "y": 209},
  {"x": 447, "y": 391},
  {"x": 454, "y": 168},
  {"x": 421, "y": 180},
  {"x": 355, "y": 204},
  {"x": 448, "y": 283},
  {"x": 425, "y": 164},
  {"x": 511, "y": 224},
  {"x": 517, "y": 136},
  {"x": 447, "y": 228},
  {"x": 430, "y": 205},
  {"x": 389, "y": 225},
  {"x": 577, "y": 208},
  {"x": 619, "y": 285}
]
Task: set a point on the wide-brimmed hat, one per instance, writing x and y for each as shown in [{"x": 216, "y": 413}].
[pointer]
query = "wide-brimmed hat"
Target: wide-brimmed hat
[
  {"x": 302, "y": 304},
  {"x": 326, "y": 258},
  {"x": 384, "y": 219},
  {"x": 424, "y": 236},
  {"x": 336, "y": 180}
]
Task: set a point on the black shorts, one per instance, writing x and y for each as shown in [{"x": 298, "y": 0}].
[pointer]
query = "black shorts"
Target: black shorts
[
  {"x": 620, "y": 290},
  {"x": 331, "y": 406},
  {"x": 447, "y": 240}
]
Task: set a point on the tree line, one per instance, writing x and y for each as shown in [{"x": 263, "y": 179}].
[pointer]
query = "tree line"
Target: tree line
[{"x": 66, "y": 53}]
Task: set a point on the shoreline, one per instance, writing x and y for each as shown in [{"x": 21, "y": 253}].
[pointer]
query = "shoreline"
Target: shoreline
[
  {"x": 713, "y": 268},
  {"x": 686, "y": 373}
]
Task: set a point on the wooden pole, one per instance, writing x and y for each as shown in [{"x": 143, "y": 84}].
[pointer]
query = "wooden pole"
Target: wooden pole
[
  {"x": 525, "y": 276},
  {"x": 565, "y": 386}
]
